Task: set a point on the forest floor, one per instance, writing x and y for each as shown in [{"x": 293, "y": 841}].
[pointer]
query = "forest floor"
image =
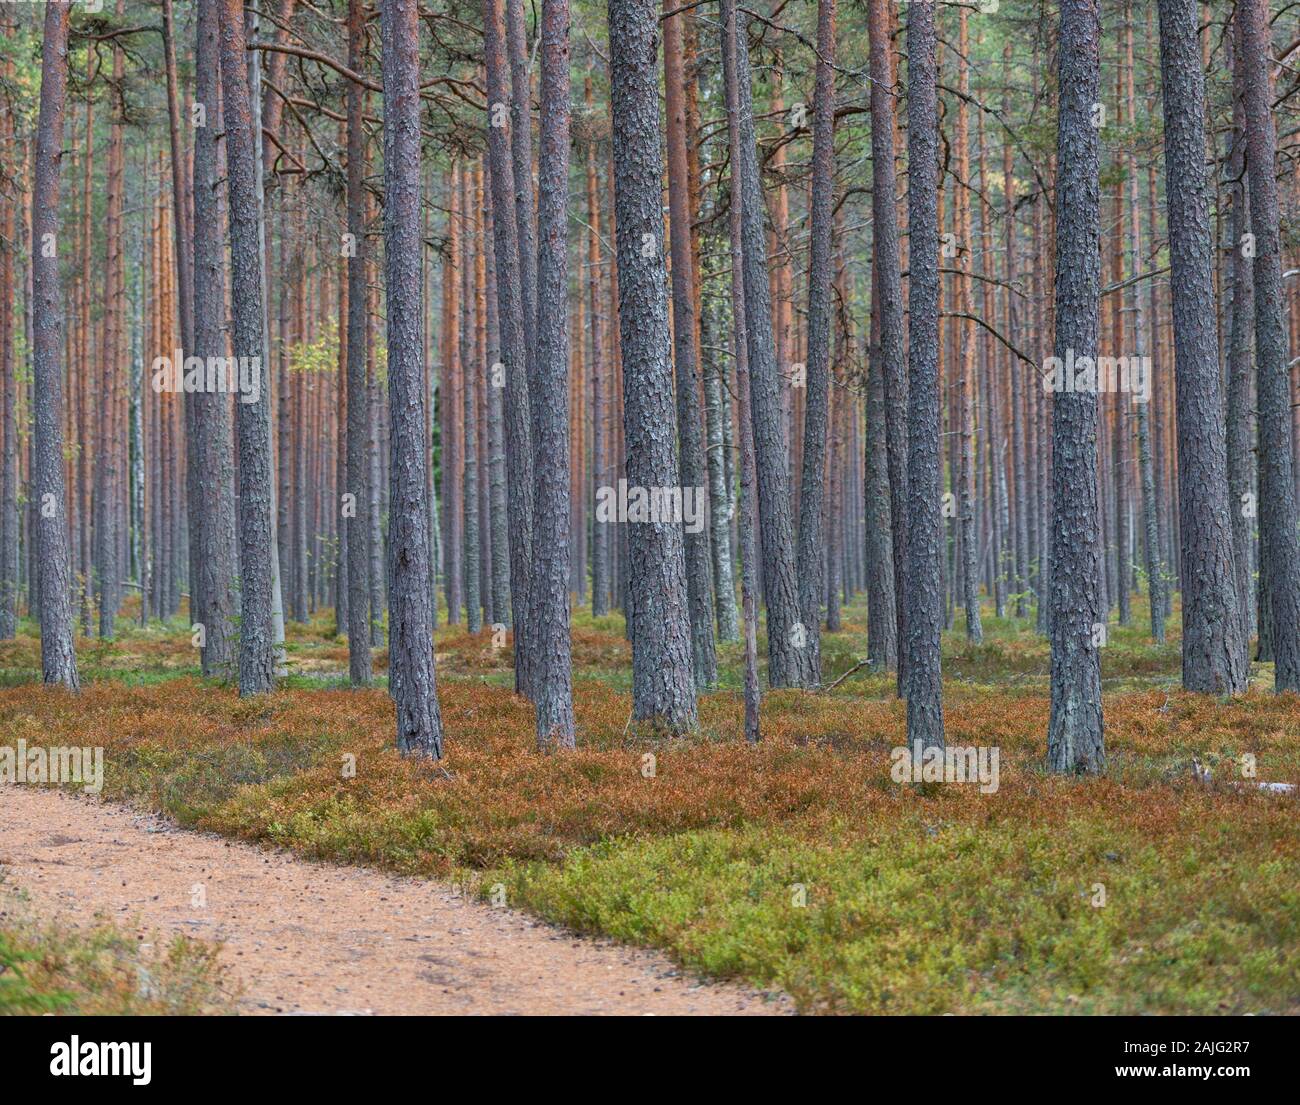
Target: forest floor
[
  {"x": 301, "y": 937},
  {"x": 797, "y": 865}
]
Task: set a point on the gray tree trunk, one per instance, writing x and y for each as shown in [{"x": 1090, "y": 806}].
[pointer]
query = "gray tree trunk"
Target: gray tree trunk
[
  {"x": 356, "y": 514},
  {"x": 923, "y": 593},
  {"x": 720, "y": 505},
  {"x": 1214, "y": 653},
  {"x": 494, "y": 392},
  {"x": 699, "y": 579},
  {"x": 253, "y": 68},
  {"x": 253, "y": 426},
  {"x": 1279, "y": 562},
  {"x": 889, "y": 281},
  {"x": 521, "y": 131},
  {"x": 521, "y": 150},
  {"x": 601, "y": 381},
  {"x": 213, "y": 447},
  {"x": 9, "y": 524},
  {"x": 789, "y": 658},
  {"x": 58, "y": 658},
  {"x": 1075, "y": 741},
  {"x": 748, "y": 521},
  {"x": 1241, "y": 309},
  {"x": 107, "y": 572},
  {"x": 549, "y": 387},
  {"x": 470, "y": 367},
  {"x": 813, "y": 477},
  {"x": 411, "y": 673},
  {"x": 511, "y": 307},
  {"x": 882, "y": 616},
  {"x": 663, "y": 684}
]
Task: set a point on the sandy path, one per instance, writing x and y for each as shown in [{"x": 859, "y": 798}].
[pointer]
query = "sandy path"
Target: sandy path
[{"x": 303, "y": 937}]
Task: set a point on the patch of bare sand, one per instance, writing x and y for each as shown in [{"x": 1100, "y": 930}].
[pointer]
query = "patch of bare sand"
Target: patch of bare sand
[{"x": 303, "y": 937}]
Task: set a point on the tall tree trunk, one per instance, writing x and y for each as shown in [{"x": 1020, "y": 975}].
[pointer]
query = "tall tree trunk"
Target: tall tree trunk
[
  {"x": 882, "y": 618},
  {"x": 789, "y": 658},
  {"x": 663, "y": 684},
  {"x": 893, "y": 366},
  {"x": 1279, "y": 542},
  {"x": 1241, "y": 482},
  {"x": 748, "y": 523},
  {"x": 469, "y": 370},
  {"x": 1074, "y": 739},
  {"x": 812, "y": 492},
  {"x": 494, "y": 397},
  {"x": 1015, "y": 370},
  {"x": 58, "y": 659},
  {"x": 720, "y": 499},
  {"x": 549, "y": 387},
  {"x": 699, "y": 580},
  {"x": 82, "y": 513},
  {"x": 923, "y": 594},
  {"x": 184, "y": 276},
  {"x": 412, "y": 677},
  {"x": 106, "y": 538},
  {"x": 600, "y": 462},
  {"x": 1214, "y": 654},
  {"x": 355, "y": 511},
  {"x": 253, "y": 427},
  {"x": 253, "y": 69},
  {"x": 1143, "y": 345},
  {"x": 512, "y": 313},
  {"x": 8, "y": 370},
  {"x": 965, "y": 367},
  {"x": 215, "y": 559}
]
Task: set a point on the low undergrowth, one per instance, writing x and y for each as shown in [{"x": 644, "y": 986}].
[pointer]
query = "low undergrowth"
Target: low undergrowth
[
  {"x": 799, "y": 862},
  {"x": 100, "y": 970}
]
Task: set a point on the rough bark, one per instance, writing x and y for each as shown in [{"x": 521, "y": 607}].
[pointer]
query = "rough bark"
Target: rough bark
[
  {"x": 882, "y": 616},
  {"x": 923, "y": 595},
  {"x": 600, "y": 463},
  {"x": 663, "y": 685},
  {"x": 965, "y": 363},
  {"x": 1214, "y": 653},
  {"x": 748, "y": 522},
  {"x": 699, "y": 581},
  {"x": 817, "y": 389},
  {"x": 1279, "y": 562},
  {"x": 106, "y": 450},
  {"x": 893, "y": 365},
  {"x": 215, "y": 562},
  {"x": 1241, "y": 309},
  {"x": 58, "y": 659},
  {"x": 521, "y": 150},
  {"x": 789, "y": 658},
  {"x": 356, "y": 511},
  {"x": 549, "y": 387},
  {"x": 412, "y": 677},
  {"x": 1075, "y": 740},
  {"x": 511, "y": 311},
  {"x": 470, "y": 366},
  {"x": 9, "y": 524},
  {"x": 720, "y": 500},
  {"x": 253, "y": 419}
]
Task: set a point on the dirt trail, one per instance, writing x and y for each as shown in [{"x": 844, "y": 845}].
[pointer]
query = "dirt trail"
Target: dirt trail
[{"x": 303, "y": 937}]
